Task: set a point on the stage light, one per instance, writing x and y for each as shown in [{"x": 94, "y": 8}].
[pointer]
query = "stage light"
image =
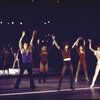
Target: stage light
[
  {"x": 1, "y": 22},
  {"x": 48, "y": 34},
  {"x": 48, "y": 21},
  {"x": 8, "y": 23},
  {"x": 45, "y": 23},
  {"x": 33, "y": 1},
  {"x": 12, "y": 22},
  {"x": 58, "y": 1},
  {"x": 21, "y": 23},
  {"x": 42, "y": 41}
]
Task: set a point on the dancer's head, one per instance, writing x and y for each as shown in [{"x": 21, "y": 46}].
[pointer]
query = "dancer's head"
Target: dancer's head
[
  {"x": 25, "y": 46},
  {"x": 44, "y": 48},
  {"x": 65, "y": 46},
  {"x": 81, "y": 48}
]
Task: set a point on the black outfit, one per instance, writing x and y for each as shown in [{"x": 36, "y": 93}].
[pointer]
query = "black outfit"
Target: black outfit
[
  {"x": 66, "y": 65},
  {"x": 25, "y": 66}
]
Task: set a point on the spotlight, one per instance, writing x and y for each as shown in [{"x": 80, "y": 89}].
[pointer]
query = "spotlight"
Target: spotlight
[
  {"x": 21, "y": 23},
  {"x": 12, "y": 22},
  {"x": 1, "y": 22},
  {"x": 42, "y": 41},
  {"x": 45, "y": 23},
  {"x": 48, "y": 21},
  {"x": 8, "y": 23},
  {"x": 58, "y": 1},
  {"x": 33, "y": 1},
  {"x": 48, "y": 34}
]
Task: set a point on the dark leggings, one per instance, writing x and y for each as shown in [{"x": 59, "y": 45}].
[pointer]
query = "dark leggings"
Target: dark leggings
[
  {"x": 28, "y": 67},
  {"x": 67, "y": 64}
]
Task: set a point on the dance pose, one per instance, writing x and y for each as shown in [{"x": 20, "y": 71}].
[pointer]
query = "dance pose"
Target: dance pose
[
  {"x": 6, "y": 67},
  {"x": 16, "y": 60},
  {"x": 26, "y": 52},
  {"x": 43, "y": 63},
  {"x": 82, "y": 61},
  {"x": 66, "y": 54},
  {"x": 97, "y": 54}
]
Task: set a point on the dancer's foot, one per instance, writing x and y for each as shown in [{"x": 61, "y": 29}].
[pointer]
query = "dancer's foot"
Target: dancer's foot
[
  {"x": 75, "y": 80},
  {"x": 92, "y": 86},
  {"x": 87, "y": 79}
]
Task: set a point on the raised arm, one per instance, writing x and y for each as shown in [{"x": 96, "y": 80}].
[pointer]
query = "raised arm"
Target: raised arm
[
  {"x": 55, "y": 42},
  {"x": 90, "y": 45},
  {"x": 20, "y": 41},
  {"x": 31, "y": 42},
  {"x": 76, "y": 42},
  {"x": 84, "y": 43}
]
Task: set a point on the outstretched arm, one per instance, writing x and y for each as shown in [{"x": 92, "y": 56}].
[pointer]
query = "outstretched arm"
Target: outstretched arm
[
  {"x": 55, "y": 42},
  {"x": 84, "y": 43},
  {"x": 20, "y": 41},
  {"x": 76, "y": 42},
  {"x": 31, "y": 42},
  {"x": 90, "y": 45}
]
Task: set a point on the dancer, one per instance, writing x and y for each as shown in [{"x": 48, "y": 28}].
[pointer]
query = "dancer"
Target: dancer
[
  {"x": 26, "y": 52},
  {"x": 82, "y": 61},
  {"x": 6, "y": 67},
  {"x": 66, "y": 54},
  {"x": 43, "y": 62},
  {"x": 16, "y": 60},
  {"x": 97, "y": 54}
]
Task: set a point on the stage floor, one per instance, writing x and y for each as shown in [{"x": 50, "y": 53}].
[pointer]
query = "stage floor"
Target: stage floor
[{"x": 48, "y": 91}]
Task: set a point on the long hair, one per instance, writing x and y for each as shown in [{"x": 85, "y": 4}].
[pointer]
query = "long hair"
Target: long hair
[{"x": 64, "y": 44}]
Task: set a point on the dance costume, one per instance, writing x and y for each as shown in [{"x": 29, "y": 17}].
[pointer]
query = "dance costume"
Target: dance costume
[{"x": 82, "y": 62}]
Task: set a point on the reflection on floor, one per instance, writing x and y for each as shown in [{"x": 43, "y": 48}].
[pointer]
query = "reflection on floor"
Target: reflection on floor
[{"x": 48, "y": 91}]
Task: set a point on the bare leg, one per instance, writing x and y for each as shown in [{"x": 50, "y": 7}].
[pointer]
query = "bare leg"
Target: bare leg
[{"x": 78, "y": 68}]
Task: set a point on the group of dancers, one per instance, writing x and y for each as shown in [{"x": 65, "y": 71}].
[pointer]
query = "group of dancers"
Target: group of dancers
[
  {"x": 8, "y": 58},
  {"x": 26, "y": 52}
]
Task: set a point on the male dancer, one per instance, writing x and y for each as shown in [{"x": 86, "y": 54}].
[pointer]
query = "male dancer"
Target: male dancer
[
  {"x": 66, "y": 54},
  {"x": 26, "y": 51},
  {"x": 97, "y": 54}
]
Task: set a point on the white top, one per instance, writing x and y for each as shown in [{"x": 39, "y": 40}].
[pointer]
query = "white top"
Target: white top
[{"x": 67, "y": 59}]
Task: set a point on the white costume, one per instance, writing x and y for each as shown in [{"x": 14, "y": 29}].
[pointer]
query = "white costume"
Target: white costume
[{"x": 97, "y": 54}]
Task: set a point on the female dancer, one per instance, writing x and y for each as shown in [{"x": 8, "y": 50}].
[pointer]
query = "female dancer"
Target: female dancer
[
  {"x": 66, "y": 54},
  {"x": 26, "y": 51},
  {"x": 43, "y": 63},
  {"x": 16, "y": 60},
  {"x": 82, "y": 61},
  {"x": 97, "y": 54}
]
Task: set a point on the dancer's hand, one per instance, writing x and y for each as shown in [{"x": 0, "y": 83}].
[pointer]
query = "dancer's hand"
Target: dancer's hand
[
  {"x": 34, "y": 32},
  {"x": 80, "y": 38},
  {"x": 84, "y": 42},
  {"x": 53, "y": 37},
  {"x": 23, "y": 33},
  {"x": 89, "y": 40}
]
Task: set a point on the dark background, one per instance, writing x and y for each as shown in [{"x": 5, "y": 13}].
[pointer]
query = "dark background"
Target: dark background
[{"x": 69, "y": 19}]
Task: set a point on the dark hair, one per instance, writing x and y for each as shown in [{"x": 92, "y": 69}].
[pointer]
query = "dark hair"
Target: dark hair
[{"x": 64, "y": 44}]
